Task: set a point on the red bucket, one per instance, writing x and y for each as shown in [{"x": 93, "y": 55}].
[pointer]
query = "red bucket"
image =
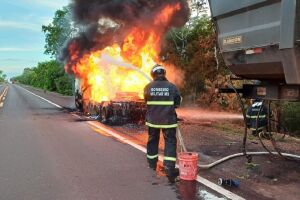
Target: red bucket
[{"x": 188, "y": 166}]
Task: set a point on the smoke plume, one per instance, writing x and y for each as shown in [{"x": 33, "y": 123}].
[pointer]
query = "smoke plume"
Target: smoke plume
[{"x": 103, "y": 23}]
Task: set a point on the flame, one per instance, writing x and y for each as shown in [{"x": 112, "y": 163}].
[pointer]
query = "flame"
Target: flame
[{"x": 122, "y": 67}]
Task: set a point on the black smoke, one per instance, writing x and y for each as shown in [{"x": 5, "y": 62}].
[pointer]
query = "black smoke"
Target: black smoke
[{"x": 125, "y": 14}]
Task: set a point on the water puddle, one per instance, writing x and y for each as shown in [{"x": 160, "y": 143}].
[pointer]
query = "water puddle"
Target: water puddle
[{"x": 192, "y": 190}]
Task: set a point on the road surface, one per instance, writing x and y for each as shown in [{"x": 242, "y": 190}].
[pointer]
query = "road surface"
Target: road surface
[{"x": 47, "y": 153}]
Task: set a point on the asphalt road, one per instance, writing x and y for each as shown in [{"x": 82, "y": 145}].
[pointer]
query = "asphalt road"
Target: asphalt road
[{"x": 48, "y": 154}]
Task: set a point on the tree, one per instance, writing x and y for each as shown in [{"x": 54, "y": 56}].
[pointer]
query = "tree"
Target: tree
[
  {"x": 47, "y": 75},
  {"x": 180, "y": 37},
  {"x": 51, "y": 75},
  {"x": 2, "y": 76},
  {"x": 192, "y": 48},
  {"x": 198, "y": 7},
  {"x": 60, "y": 30},
  {"x": 194, "y": 54},
  {"x": 63, "y": 84}
]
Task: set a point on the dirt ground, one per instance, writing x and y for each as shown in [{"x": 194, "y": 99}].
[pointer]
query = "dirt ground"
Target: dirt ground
[{"x": 215, "y": 135}]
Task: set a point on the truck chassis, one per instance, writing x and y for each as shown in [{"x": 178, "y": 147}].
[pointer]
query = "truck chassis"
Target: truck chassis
[{"x": 114, "y": 112}]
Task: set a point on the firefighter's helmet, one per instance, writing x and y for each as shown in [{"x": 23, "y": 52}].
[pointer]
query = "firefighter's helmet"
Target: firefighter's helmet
[{"x": 158, "y": 71}]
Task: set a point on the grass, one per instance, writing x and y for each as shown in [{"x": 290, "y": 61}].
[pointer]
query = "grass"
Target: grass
[{"x": 251, "y": 166}]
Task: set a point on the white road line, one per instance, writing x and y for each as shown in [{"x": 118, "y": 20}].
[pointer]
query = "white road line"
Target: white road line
[
  {"x": 219, "y": 189},
  {"x": 201, "y": 180},
  {"x": 2, "y": 97},
  {"x": 54, "y": 104},
  {"x": 119, "y": 137},
  {"x": 3, "y": 93}
]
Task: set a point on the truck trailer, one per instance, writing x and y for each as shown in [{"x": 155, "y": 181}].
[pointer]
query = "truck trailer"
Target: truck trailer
[
  {"x": 260, "y": 40},
  {"x": 126, "y": 107}
]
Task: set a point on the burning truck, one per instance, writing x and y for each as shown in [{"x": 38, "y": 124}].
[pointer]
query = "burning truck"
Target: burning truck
[
  {"x": 125, "y": 107},
  {"x": 113, "y": 53}
]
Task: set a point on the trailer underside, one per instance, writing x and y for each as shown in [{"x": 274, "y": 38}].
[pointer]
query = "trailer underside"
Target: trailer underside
[{"x": 126, "y": 108}]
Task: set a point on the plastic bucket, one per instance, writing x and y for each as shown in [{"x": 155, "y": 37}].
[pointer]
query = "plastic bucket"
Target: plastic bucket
[{"x": 188, "y": 165}]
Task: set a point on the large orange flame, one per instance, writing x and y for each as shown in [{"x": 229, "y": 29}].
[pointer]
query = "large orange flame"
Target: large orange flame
[{"x": 122, "y": 68}]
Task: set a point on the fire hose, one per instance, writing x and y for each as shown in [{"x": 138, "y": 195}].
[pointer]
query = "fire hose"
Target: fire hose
[
  {"x": 244, "y": 153},
  {"x": 208, "y": 166}
]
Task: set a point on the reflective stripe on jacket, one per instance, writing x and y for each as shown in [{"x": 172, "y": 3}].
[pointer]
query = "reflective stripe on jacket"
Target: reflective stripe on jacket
[
  {"x": 162, "y": 97},
  {"x": 252, "y": 116}
]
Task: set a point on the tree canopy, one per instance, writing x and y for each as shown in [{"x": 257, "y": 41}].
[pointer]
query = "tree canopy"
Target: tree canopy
[
  {"x": 58, "y": 32},
  {"x": 48, "y": 75}
]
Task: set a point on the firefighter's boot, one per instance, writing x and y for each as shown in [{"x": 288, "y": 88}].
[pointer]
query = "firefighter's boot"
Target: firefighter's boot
[{"x": 172, "y": 174}]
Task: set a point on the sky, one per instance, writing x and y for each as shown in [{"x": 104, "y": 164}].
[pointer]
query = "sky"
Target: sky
[{"x": 21, "y": 38}]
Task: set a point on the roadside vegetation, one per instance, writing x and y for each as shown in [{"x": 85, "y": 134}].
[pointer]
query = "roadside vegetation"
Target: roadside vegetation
[
  {"x": 2, "y": 76},
  {"x": 192, "y": 49},
  {"x": 49, "y": 75},
  {"x": 291, "y": 117}
]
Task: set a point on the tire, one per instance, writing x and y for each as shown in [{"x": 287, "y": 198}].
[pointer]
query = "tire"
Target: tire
[{"x": 104, "y": 114}]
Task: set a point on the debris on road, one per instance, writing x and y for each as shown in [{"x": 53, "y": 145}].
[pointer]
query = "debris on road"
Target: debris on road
[{"x": 228, "y": 182}]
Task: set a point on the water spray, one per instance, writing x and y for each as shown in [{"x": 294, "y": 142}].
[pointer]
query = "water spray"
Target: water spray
[{"x": 121, "y": 64}]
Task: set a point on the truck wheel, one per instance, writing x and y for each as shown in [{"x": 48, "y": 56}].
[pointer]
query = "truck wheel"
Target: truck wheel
[{"x": 104, "y": 114}]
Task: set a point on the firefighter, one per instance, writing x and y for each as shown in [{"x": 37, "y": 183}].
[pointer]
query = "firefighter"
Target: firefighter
[
  {"x": 257, "y": 119},
  {"x": 162, "y": 97}
]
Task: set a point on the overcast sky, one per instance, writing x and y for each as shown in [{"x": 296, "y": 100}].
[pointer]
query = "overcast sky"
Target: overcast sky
[{"x": 21, "y": 38}]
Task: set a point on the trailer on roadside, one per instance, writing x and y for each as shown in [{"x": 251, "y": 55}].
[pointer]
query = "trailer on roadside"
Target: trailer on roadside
[{"x": 260, "y": 40}]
